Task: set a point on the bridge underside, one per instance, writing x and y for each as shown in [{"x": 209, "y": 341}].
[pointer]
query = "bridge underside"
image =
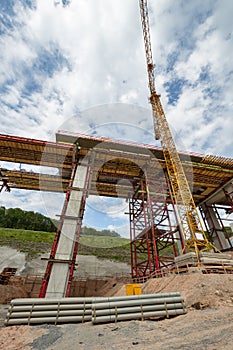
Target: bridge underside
[
  {"x": 133, "y": 171},
  {"x": 115, "y": 165}
]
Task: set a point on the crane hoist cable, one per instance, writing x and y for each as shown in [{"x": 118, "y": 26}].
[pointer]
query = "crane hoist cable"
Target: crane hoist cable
[{"x": 189, "y": 218}]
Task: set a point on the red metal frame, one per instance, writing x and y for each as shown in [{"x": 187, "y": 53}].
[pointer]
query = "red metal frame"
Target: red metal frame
[
  {"x": 153, "y": 228},
  {"x": 143, "y": 259}
]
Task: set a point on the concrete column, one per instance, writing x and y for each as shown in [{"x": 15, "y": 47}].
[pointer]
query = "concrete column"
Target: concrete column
[
  {"x": 215, "y": 227},
  {"x": 60, "y": 270}
]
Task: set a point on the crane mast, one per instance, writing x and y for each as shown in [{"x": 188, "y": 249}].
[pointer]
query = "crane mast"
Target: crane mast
[{"x": 190, "y": 223}]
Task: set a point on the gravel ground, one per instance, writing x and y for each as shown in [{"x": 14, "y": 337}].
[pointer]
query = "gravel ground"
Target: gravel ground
[{"x": 209, "y": 329}]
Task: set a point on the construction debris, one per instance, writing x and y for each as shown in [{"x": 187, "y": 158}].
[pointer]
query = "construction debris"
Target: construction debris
[{"x": 6, "y": 274}]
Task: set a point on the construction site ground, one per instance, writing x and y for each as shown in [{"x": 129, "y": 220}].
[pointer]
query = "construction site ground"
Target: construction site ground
[{"x": 207, "y": 324}]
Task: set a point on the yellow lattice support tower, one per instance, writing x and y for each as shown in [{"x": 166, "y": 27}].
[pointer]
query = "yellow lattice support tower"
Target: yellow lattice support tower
[{"x": 188, "y": 213}]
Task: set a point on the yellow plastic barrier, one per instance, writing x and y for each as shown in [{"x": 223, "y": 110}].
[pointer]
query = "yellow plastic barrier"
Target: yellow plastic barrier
[{"x": 133, "y": 289}]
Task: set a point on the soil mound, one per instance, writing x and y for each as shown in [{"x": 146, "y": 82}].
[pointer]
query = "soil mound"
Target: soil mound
[{"x": 199, "y": 290}]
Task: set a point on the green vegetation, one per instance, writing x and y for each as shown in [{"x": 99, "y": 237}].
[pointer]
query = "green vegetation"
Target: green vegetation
[
  {"x": 21, "y": 219},
  {"x": 89, "y": 231},
  {"x": 28, "y": 220},
  {"x": 26, "y": 235},
  {"x": 34, "y": 242},
  {"x": 229, "y": 231},
  {"x": 118, "y": 253},
  {"x": 102, "y": 241},
  {"x": 33, "y": 233},
  {"x": 31, "y": 242}
]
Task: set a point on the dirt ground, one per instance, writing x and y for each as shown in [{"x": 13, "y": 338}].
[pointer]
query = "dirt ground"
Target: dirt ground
[
  {"x": 207, "y": 325},
  {"x": 209, "y": 329}
]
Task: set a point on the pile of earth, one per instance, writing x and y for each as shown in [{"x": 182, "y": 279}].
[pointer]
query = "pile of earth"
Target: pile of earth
[{"x": 199, "y": 290}]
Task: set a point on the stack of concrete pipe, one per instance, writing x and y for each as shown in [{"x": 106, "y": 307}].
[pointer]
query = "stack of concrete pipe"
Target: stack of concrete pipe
[
  {"x": 97, "y": 310},
  {"x": 137, "y": 307},
  {"x": 42, "y": 310}
]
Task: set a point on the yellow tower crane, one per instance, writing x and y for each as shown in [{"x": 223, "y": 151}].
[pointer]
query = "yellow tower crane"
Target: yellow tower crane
[{"x": 190, "y": 223}]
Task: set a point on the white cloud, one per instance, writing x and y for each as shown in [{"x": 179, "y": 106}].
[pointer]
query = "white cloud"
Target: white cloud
[
  {"x": 123, "y": 230},
  {"x": 204, "y": 105},
  {"x": 114, "y": 208}
]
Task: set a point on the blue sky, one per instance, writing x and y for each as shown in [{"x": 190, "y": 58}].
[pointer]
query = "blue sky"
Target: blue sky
[{"x": 60, "y": 58}]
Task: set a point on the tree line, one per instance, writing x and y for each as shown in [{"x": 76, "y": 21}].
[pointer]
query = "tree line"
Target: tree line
[
  {"x": 89, "y": 231},
  {"x": 28, "y": 220}
]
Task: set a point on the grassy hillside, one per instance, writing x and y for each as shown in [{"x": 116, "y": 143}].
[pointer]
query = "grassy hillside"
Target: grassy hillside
[
  {"x": 36, "y": 242},
  {"x": 25, "y": 235}
]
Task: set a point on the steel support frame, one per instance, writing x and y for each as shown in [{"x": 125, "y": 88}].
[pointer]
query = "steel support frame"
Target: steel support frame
[
  {"x": 153, "y": 228},
  {"x": 144, "y": 258}
]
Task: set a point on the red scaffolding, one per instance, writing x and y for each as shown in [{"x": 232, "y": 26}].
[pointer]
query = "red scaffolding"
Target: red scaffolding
[{"x": 154, "y": 228}]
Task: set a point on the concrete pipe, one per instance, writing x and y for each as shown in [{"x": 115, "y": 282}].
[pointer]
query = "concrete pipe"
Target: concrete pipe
[
  {"x": 45, "y": 301},
  {"x": 49, "y": 313},
  {"x": 51, "y": 307},
  {"x": 136, "y": 316},
  {"x": 136, "y": 309},
  {"x": 148, "y": 301},
  {"x": 135, "y": 297},
  {"x": 40, "y": 320}
]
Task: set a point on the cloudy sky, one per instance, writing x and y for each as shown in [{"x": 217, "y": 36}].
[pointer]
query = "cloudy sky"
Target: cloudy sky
[{"x": 62, "y": 60}]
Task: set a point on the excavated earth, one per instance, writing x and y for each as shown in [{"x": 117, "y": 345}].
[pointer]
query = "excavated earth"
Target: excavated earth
[{"x": 207, "y": 324}]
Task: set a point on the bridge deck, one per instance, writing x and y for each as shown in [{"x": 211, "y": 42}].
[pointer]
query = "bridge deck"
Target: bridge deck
[{"x": 115, "y": 165}]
